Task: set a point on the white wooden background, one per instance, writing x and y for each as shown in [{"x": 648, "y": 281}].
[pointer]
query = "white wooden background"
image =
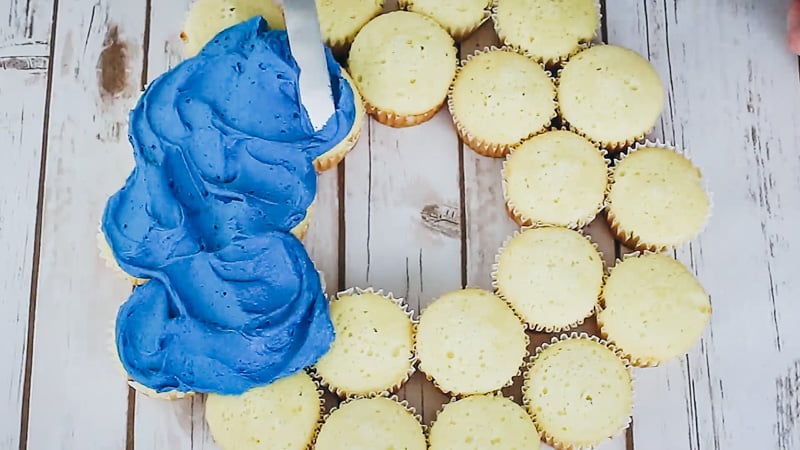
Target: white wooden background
[{"x": 411, "y": 211}]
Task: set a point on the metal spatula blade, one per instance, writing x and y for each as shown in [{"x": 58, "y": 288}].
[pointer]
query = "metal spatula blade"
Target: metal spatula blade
[{"x": 305, "y": 42}]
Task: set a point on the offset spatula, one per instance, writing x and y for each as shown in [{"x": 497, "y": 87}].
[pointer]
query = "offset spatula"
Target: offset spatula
[{"x": 305, "y": 42}]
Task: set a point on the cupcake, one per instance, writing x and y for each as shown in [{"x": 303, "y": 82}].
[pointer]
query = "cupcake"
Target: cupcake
[
  {"x": 403, "y": 63},
  {"x": 470, "y": 342},
  {"x": 548, "y": 30},
  {"x": 611, "y": 95},
  {"x": 499, "y": 98},
  {"x": 340, "y": 20},
  {"x": 654, "y": 309},
  {"x": 579, "y": 392},
  {"x": 656, "y": 200},
  {"x": 284, "y": 414},
  {"x": 374, "y": 346},
  {"x": 206, "y": 18},
  {"x": 459, "y": 17},
  {"x": 556, "y": 178},
  {"x": 480, "y": 422},
  {"x": 363, "y": 423},
  {"x": 334, "y": 156},
  {"x": 550, "y": 276}
]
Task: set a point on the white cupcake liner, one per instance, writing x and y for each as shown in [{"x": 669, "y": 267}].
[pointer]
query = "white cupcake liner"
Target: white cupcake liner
[
  {"x": 546, "y": 436},
  {"x": 524, "y": 221},
  {"x": 477, "y": 144},
  {"x": 536, "y": 327},
  {"x": 629, "y": 237}
]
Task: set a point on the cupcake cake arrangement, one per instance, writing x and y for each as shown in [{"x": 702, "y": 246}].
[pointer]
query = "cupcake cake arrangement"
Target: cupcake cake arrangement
[{"x": 228, "y": 303}]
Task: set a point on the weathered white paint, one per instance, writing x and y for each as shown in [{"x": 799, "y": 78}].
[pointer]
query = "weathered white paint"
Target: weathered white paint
[
  {"x": 78, "y": 398},
  {"x": 24, "y": 58}
]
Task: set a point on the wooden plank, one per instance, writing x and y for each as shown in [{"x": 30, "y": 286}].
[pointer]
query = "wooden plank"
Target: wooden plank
[
  {"x": 24, "y": 62},
  {"x": 734, "y": 105},
  {"x": 79, "y": 400}
]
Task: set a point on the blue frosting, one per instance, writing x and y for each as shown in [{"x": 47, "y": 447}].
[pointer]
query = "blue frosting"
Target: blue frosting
[{"x": 224, "y": 170}]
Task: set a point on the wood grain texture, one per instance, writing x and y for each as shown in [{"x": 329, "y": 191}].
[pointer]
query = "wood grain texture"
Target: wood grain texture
[
  {"x": 734, "y": 106},
  {"x": 24, "y": 61},
  {"x": 78, "y": 397}
]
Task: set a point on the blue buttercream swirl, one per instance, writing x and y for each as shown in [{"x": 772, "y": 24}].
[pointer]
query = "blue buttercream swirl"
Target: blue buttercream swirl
[{"x": 224, "y": 170}]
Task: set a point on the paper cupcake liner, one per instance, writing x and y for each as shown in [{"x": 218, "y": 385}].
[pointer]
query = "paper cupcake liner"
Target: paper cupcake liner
[
  {"x": 628, "y": 237},
  {"x": 552, "y": 62},
  {"x": 459, "y": 33},
  {"x": 398, "y": 120},
  {"x": 107, "y": 256},
  {"x": 526, "y": 402},
  {"x": 533, "y": 326},
  {"x": 343, "y": 393},
  {"x": 524, "y": 221},
  {"x": 506, "y": 384},
  {"x": 477, "y": 144},
  {"x": 333, "y": 157}
]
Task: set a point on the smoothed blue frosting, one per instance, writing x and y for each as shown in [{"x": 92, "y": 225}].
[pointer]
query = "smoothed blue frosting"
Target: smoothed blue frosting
[{"x": 224, "y": 170}]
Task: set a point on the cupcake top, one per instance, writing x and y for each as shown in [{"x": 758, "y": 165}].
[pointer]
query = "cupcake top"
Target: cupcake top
[
  {"x": 480, "y": 422},
  {"x": 459, "y": 17},
  {"x": 611, "y": 95},
  {"x": 340, "y": 20},
  {"x": 403, "y": 63},
  {"x": 360, "y": 424},
  {"x": 499, "y": 98},
  {"x": 548, "y": 30},
  {"x": 556, "y": 178},
  {"x": 654, "y": 308},
  {"x": 470, "y": 342},
  {"x": 579, "y": 392},
  {"x": 373, "y": 348},
  {"x": 656, "y": 200},
  {"x": 206, "y": 18},
  {"x": 282, "y": 415},
  {"x": 551, "y": 276}
]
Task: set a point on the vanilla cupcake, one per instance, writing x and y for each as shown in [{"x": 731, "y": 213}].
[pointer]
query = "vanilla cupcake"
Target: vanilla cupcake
[
  {"x": 579, "y": 392},
  {"x": 611, "y": 95},
  {"x": 480, "y": 422},
  {"x": 206, "y": 18},
  {"x": 470, "y": 342},
  {"x": 499, "y": 98},
  {"x": 334, "y": 156},
  {"x": 459, "y": 17},
  {"x": 364, "y": 423},
  {"x": 654, "y": 309},
  {"x": 403, "y": 63},
  {"x": 284, "y": 414},
  {"x": 556, "y": 178},
  {"x": 548, "y": 30},
  {"x": 656, "y": 200},
  {"x": 551, "y": 276},
  {"x": 340, "y": 20},
  {"x": 374, "y": 346}
]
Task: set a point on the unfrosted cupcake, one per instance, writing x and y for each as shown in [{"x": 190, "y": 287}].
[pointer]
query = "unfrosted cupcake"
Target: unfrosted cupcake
[
  {"x": 459, "y": 17},
  {"x": 334, "y": 156},
  {"x": 656, "y": 200},
  {"x": 551, "y": 276},
  {"x": 206, "y": 18},
  {"x": 611, "y": 95},
  {"x": 364, "y": 423},
  {"x": 548, "y": 30},
  {"x": 556, "y": 178},
  {"x": 284, "y": 414},
  {"x": 374, "y": 346},
  {"x": 403, "y": 63},
  {"x": 470, "y": 342},
  {"x": 340, "y": 20},
  {"x": 499, "y": 98},
  {"x": 579, "y": 392},
  {"x": 654, "y": 309},
  {"x": 481, "y": 422}
]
